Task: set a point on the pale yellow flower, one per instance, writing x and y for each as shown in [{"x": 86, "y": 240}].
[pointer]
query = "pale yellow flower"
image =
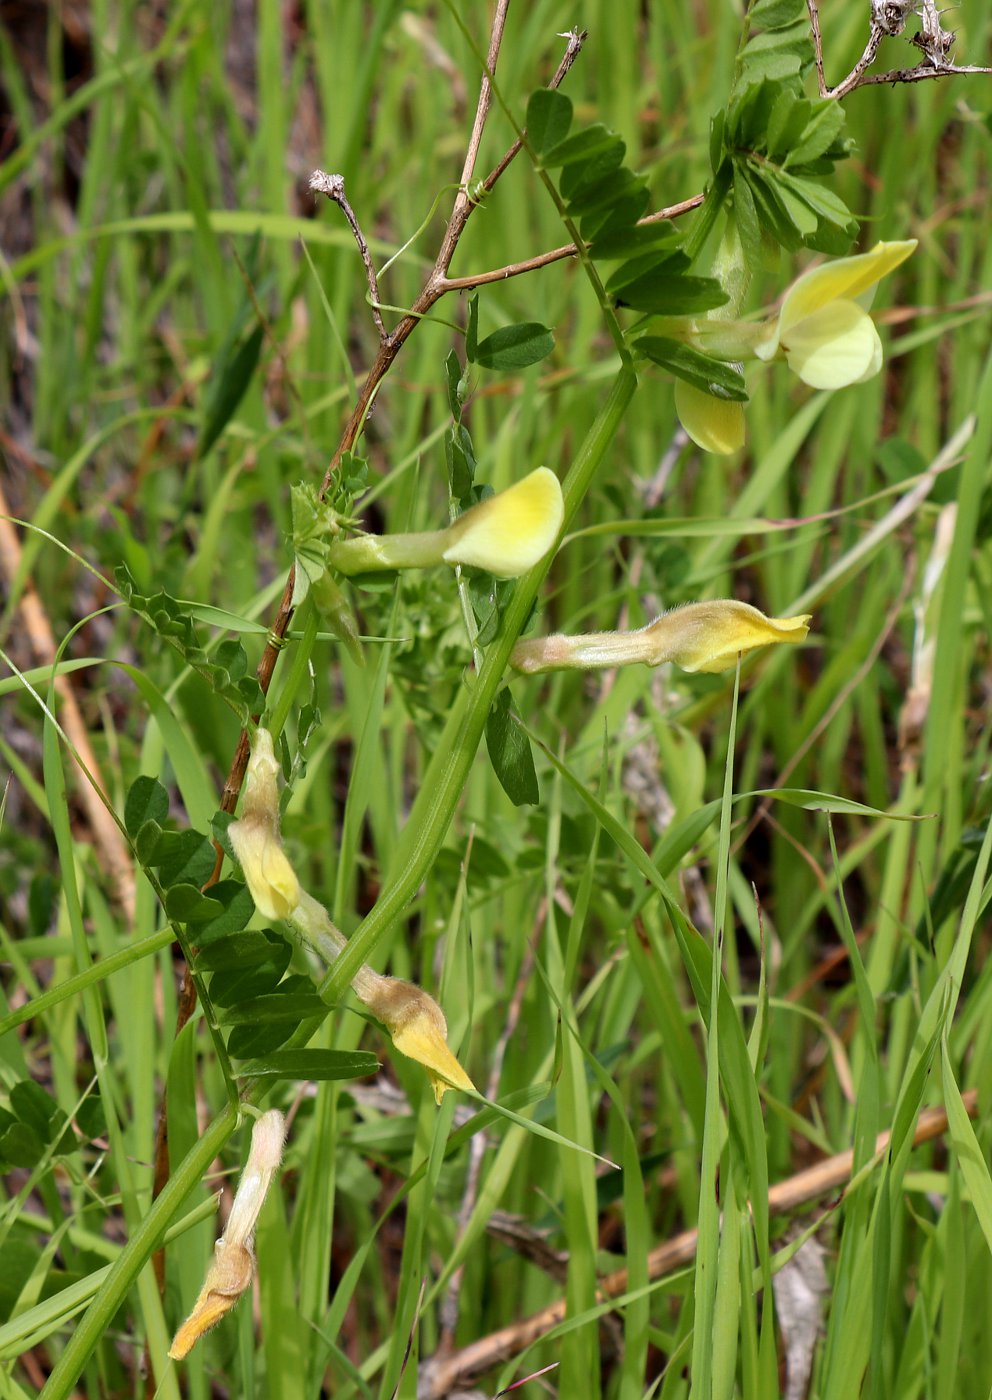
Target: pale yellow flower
[
  {"x": 696, "y": 637},
  {"x": 506, "y": 535},
  {"x": 230, "y": 1274},
  {"x": 823, "y": 327},
  {"x": 255, "y": 837},
  {"x": 715, "y": 425}
]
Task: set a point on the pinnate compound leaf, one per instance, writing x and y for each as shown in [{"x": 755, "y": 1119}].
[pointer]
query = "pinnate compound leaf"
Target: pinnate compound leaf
[
  {"x": 311, "y": 1064},
  {"x": 186, "y": 905},
  {"x": 510, "y": 754},
  {"x": 587, "y": 148},
  {"x": 668, "y": 295},
  {"x": 549, "y": 115},
  {"x": 712, "y": 376},
  {"x": 147, "y": 800},
  {"x": 515, "y": 347}
]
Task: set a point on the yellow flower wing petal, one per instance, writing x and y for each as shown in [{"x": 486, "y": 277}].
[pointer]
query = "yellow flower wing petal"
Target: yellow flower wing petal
[
  {"x": 715, "y": 425},
  {"x": 510, "y": 532},
  {"x": 842, "y": 279},
  {"x": 834, "y": 346}
]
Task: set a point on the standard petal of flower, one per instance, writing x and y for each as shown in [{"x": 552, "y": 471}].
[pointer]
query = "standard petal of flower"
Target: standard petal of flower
[
  {"x": 834, "y": 346},
  {"x": 510, "y": 532},
  {"x": 710, "y": 636},
  {"x": 715, "y": 425},
  {"x": 268, "y": 874},
  {"x": 842, "y": 279}
]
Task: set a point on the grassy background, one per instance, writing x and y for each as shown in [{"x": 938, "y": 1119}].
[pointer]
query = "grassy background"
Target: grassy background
[{"x": 144, "y": 157}]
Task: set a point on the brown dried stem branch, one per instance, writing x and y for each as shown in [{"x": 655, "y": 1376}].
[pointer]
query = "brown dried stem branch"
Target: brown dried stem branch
[
  {"x": 439, "y": 1376},
  {"x": 888, "y": 19},
  {"x": 333, "y": 187},
  {"x": 567, "y": 250}
]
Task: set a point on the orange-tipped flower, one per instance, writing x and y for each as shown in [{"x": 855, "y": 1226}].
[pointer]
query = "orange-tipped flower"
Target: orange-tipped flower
[
  {"x": 417, "y": 1026},
  {"x": 231, "y": 1272}
]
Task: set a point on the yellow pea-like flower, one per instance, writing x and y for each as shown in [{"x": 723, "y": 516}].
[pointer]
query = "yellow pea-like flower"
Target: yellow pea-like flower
[
  {"x": 823, "y": 327},
  {"x": 506, "y": 534},
  {"x": 696, "y": 637},
  {"x": 416, "y": 1026}
]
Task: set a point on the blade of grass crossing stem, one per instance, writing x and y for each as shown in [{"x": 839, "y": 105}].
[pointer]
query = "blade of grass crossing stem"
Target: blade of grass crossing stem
[
  {"x": 433, "y": 1126},
  {"x": 709, "y": 1347},
  {"x": 96, "y": 1030},
  {"x": 941, "y": 771},
  {"x": 968, "y": 1151},
  {"x": 580, "y": 1361}
]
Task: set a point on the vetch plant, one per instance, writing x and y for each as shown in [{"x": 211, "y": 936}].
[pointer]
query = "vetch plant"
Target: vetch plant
[{"x": 565, "y": 935}]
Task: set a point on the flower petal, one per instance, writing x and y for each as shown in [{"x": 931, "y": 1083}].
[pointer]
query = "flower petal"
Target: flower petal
[
  {"x": 510, "y": 532},
  {"x": 418, "y": 1029},
  {"x": 834, "y": 346},
  {"x": 268, "y": 874},
  {"x": 710, "y": 636},
  {"x": 715, "y": 425},
  {"x": 842, "y": 279}
]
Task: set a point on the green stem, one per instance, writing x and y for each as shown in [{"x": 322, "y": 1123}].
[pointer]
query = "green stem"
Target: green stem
[
  {"x": 365, "y": 554},
  {"x": 449, "y": 769},
  {"x": 135, "y": 1255}
]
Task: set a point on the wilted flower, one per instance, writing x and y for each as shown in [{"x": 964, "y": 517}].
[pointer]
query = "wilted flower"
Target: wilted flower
[
  {"x": 696, "y": 637},
  {"x": 823, "y": 327},
  {"x": 506, "y": 534},
  {"x": 255, "y": 838},
  {"x": 416, "y": 1026},
  {"x": 414, "y": 1020},
  {"x": 230, "y": 1274}
]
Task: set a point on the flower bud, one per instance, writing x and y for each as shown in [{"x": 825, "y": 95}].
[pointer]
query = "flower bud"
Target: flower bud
[{"x": 255, "y": 838}]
